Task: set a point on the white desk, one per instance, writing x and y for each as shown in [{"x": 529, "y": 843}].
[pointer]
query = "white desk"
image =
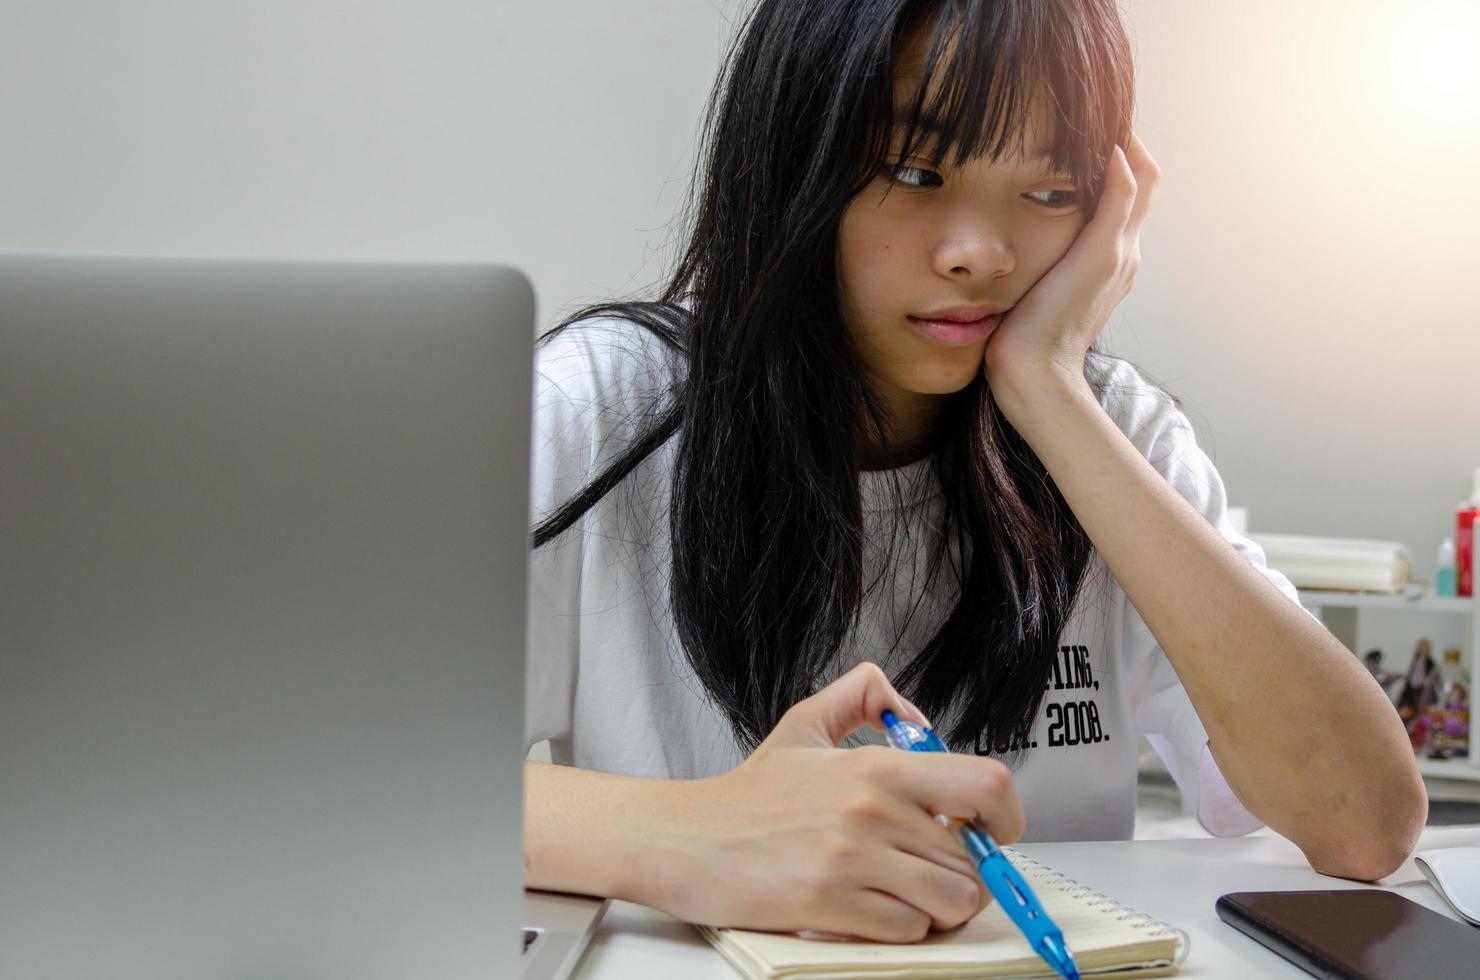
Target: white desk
[{"x": 1175, "y": 880}]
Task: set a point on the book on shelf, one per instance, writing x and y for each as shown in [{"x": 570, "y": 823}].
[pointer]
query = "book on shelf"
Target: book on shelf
[{"x": 1338, "y": 564}]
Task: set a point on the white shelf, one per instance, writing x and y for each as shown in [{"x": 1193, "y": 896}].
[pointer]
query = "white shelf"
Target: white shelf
[
  {"x": 1414, "y": 601},
  {"x": 1449, "y": 768}
]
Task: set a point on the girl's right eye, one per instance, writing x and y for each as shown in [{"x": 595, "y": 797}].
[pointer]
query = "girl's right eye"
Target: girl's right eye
[{"x": 914, "y": 176}]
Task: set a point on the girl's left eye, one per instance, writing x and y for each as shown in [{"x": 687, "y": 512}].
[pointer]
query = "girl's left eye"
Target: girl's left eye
[
  {"x": 1056, "y": 198},
  {"x": 915, "y": 176}
]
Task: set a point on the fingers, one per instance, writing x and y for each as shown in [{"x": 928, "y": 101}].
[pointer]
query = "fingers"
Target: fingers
[
  {"x": 947, "y": 896},
  {"x": 896, "y": 897},
  {"x": 1117, "y": 199},
  {"x": 877, "y": 916},
  {"x": 955, "y": 786},
  {"x": 1131, "y": 178},
  {"x": 1147, "y": 175},
  {"x": 914, "y": 831},
  {"x": 857, "y": 698},
  {"x": 1113, "y": 235}
]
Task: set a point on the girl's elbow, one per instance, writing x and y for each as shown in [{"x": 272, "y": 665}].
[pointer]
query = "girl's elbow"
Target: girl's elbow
[{"x": 1381, "y": 847}]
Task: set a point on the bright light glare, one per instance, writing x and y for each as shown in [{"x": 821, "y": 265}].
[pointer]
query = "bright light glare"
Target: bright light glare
[{"x": 1436, "y": 62}]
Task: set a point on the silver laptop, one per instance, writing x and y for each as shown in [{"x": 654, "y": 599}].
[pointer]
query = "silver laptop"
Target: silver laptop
[{"x": 263, "y": 538}]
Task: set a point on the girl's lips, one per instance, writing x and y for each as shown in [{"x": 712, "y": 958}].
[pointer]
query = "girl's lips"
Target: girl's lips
[{"x": 952, "y": 333}]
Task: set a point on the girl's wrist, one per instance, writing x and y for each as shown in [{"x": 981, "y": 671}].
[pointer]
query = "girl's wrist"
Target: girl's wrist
[
  {"x": 597, "y": 833},
  {"x": 1023, "y": 392},
  {"x": 651, "y": 863}
]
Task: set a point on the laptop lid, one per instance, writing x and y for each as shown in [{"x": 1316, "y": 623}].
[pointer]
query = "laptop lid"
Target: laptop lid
[{"x": 263, "y": 538}]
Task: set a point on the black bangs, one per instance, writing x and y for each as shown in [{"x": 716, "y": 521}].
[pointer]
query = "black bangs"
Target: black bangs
[{"x": 986, "y": 66}]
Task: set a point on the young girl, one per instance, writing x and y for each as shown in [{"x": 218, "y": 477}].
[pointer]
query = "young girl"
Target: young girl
[{"x": 863, "y": 450}]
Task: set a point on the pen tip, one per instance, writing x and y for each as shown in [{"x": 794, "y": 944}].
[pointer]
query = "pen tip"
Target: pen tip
[{"x": 1056, "y": 951}]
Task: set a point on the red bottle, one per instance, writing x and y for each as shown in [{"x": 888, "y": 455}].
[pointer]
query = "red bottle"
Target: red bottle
[{"x": 1464, "y": 540}]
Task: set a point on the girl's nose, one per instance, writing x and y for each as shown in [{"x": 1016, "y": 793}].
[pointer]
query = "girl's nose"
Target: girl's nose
[{"x": 974, "y": 253}]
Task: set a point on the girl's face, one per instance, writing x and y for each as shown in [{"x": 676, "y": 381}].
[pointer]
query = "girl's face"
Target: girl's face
[{"x": 959, "y": 243}]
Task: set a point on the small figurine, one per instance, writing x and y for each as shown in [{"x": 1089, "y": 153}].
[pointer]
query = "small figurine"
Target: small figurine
[
  {"x": 1447, "y": 724},
  {"x": 1421, "y": 686},
  {"x": 1456, "y": 723}
]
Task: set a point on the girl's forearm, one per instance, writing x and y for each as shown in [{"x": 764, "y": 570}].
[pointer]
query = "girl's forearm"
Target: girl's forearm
[
  {"x": 1301, "y": 732},
  {"x": 594, "y": 833}
]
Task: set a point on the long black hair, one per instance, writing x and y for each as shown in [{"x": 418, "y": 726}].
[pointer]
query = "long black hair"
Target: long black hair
[{"x": 772, "y": 405}]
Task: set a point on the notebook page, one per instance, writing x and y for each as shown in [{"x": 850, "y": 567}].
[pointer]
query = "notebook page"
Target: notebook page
[{"x": 1101, "y": 933}]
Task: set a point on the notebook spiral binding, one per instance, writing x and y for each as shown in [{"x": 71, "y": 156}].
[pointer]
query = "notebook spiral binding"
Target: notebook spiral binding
[{"x": 1157, "y": 928}]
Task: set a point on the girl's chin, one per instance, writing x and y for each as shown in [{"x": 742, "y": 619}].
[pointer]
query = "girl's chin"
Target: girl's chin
[{"x": 944, "y": 376}]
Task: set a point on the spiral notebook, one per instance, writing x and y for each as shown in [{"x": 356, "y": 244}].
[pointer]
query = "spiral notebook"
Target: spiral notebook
[{"x": 1108, "y": 940}]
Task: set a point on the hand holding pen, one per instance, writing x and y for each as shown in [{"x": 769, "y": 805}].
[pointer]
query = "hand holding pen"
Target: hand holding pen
[{"x": 806, "y": 835}]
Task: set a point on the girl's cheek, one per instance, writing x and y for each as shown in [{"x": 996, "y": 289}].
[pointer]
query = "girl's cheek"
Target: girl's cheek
[{"x": 1046, "y": 242}]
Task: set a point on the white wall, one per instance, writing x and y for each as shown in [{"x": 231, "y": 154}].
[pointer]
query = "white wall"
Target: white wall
[
  {"x": 537, "y": 134},
  {"x": 1307, "y": 268},
  {"x": 1308, "y": 280}
]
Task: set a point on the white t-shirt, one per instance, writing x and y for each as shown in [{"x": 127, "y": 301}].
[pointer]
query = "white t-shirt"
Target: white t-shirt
[{"x": 608, "y": 683}]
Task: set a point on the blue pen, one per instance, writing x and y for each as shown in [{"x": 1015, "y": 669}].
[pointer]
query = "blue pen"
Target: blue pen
[{"x": 1001, "y": 878}]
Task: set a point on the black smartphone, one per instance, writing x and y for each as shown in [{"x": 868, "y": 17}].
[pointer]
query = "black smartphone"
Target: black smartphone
[{"x": 1358, "y": 933}]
